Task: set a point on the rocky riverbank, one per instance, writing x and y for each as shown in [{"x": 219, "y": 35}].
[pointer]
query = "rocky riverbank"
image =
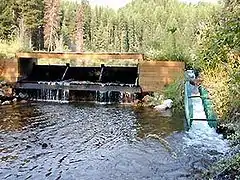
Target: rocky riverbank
[{"x": 7, "y": 95}]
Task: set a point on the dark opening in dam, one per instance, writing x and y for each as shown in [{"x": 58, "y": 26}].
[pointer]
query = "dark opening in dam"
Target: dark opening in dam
[{"x": 63, "y": 83}]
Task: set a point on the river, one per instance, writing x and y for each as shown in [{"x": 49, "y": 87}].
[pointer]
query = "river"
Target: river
[{"x": 90, "y": 141}]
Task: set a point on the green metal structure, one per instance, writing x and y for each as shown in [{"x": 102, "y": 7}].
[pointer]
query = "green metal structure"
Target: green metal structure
[{"x": 207, "y": 104}]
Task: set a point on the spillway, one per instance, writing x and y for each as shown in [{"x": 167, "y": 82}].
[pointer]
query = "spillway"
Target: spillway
[{"x": 59, "y": 83}]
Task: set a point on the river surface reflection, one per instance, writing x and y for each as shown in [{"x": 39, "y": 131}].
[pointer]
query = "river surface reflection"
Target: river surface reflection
[{"x": 88, "y": 141}]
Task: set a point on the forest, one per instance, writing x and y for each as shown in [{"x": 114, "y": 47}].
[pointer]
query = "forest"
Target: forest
[
  {"x": 162, "y": 29},
  {"x": 205, "y": 36}
]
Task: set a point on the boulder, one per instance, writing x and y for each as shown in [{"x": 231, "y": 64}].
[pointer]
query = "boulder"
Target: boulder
[
  {"x": 23, "y": 101},
  {"x": 167, "y": 104},
  {"x": 7, "y": 91},
  {"x": 14, "y": 100},
  {"x": 1, "y": 93},
  {"x": 22, "y": 96},
  {"x": 3, "y": 83},
  {"x": 161, "y": 107},
  {"x": 6, "y": 103}
]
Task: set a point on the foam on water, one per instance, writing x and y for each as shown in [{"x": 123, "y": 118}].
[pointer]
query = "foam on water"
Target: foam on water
[
  {"x": 205, "y": 137},
  {"x": 198, "y": 110},
  {"x": 201, "y": 134},
  {"x": 53, "y": 101}
]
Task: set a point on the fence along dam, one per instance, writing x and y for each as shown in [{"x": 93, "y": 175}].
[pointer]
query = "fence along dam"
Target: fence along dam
[{"x": 102, "y": 83}]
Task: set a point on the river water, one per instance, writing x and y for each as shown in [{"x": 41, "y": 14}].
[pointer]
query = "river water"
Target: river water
[{"x": 90, "y": 141}]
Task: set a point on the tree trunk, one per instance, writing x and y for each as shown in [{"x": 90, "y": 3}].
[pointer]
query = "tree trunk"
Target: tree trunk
[{"x": 79, "y": 33}]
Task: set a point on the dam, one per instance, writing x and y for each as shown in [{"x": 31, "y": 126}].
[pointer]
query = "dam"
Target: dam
[{"x": 73, "y": 82}]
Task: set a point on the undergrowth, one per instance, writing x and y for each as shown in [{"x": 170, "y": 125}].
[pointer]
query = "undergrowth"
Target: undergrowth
[
  {"x": 9, "y": 48},
  {"x": 175, "y": 91}
]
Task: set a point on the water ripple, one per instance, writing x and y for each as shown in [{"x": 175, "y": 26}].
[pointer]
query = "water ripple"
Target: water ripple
[{"x": 53, "y": 141}]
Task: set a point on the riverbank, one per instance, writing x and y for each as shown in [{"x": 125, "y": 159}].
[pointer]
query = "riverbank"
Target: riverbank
[
  {"x": 224, "y": 92},
  {"x": 7, "y": 95}
]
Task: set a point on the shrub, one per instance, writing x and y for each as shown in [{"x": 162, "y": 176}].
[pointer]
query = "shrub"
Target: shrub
[{"x": 175, "y": 91}]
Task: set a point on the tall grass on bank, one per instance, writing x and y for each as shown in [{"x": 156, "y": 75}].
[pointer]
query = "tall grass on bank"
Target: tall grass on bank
[
  {"x": 224, "y": 169},
  {"x": 175, "y": 91},
  {"x": 9, "y": 48},
  {"x": 223, "y": 84}
]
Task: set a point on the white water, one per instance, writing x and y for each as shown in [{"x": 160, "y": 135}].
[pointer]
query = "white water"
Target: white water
[
  {"x": 206, "y": 138},
  {"x": 53, "y": 101},
  {"x": 61, "y": 94},
  {"x": 201, "y": 134},
  {"x": 198, "y": 109}
]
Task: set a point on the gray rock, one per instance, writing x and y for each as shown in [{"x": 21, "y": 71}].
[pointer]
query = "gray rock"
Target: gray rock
[
  {"x": 3, "y": 83},
  {"x": 23, "y": 101},
  {"x": 1, "y": 93},
  {"x": 14, "y": 100},
  {"x": 6, "y": 103},
  {"x": 23, "y": 96}
]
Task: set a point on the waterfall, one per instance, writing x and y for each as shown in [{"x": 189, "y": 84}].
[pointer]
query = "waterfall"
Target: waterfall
[
  {"x": 60, "y": 95},
  {"x": 201, "y": 134},
  {"x": 111, "y": 97},
  {"x": 63, "y": 92},
  {"x": 102, "y": 97}
]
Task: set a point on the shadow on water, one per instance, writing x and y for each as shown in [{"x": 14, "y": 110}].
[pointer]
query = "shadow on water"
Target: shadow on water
[
  {"x": 16, "y": 117},
  {"x": 153, "y": 122},
  {"x": 89, "y": 141}
]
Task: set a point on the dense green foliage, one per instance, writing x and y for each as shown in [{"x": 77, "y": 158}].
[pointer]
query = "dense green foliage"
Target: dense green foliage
[
  {"x": 22, "y": 19},
  {"x": 160, "y": 29},
  {"x": 221, "y": 38},
  {"x": 225, "y": 169},
  {"x": 6, "y": 19},
  {"x": 219, "y": 59},
  {"x": 175, "y": 91}
]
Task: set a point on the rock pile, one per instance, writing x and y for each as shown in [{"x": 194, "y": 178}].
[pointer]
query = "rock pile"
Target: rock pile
[{"x": 7, "y": 96}]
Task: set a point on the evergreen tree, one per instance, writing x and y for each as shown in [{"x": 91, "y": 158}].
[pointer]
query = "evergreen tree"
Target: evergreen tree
[
  {"x": 164, "y": 29},
  {"x": 51, "y": 23},
  {"x": 28, "y": 16},
  {"x": 87, "y": 25},
  {"x": 6, "y": 19},
  {"x": 80, "y": 25},
  {"x": 68, "y": 23}
]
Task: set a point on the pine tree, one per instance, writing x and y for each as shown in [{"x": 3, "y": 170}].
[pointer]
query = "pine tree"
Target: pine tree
[
  {"x": 51, "y": 23},
  {"x": 87, "y": 25},
  {"x": 80, "y": 25},
  {"x": 68, "y": 24},
  {"x": 7, "y": 26},
  {"x": 28, "y": 16}
]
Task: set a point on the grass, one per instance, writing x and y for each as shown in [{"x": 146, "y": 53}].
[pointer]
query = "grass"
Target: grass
[
  {"x": 9, "y": 48},
  {"x": 225, "y": 169},
  {"x": 87, "y": 63},
  {"x": 223, "y": 86},
  {"x": 175, "y": 92}
]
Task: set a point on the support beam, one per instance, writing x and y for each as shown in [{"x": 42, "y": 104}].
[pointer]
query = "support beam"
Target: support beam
[
  {"x": 81, "y": 87},
  {"x": 85, "y": 56}
]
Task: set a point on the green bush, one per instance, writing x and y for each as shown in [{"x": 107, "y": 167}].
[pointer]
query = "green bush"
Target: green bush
[
  {"x": 175, "y": 91},
  {"x": 225, "y": 169},
  {"x": 9, "y": 48}
]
